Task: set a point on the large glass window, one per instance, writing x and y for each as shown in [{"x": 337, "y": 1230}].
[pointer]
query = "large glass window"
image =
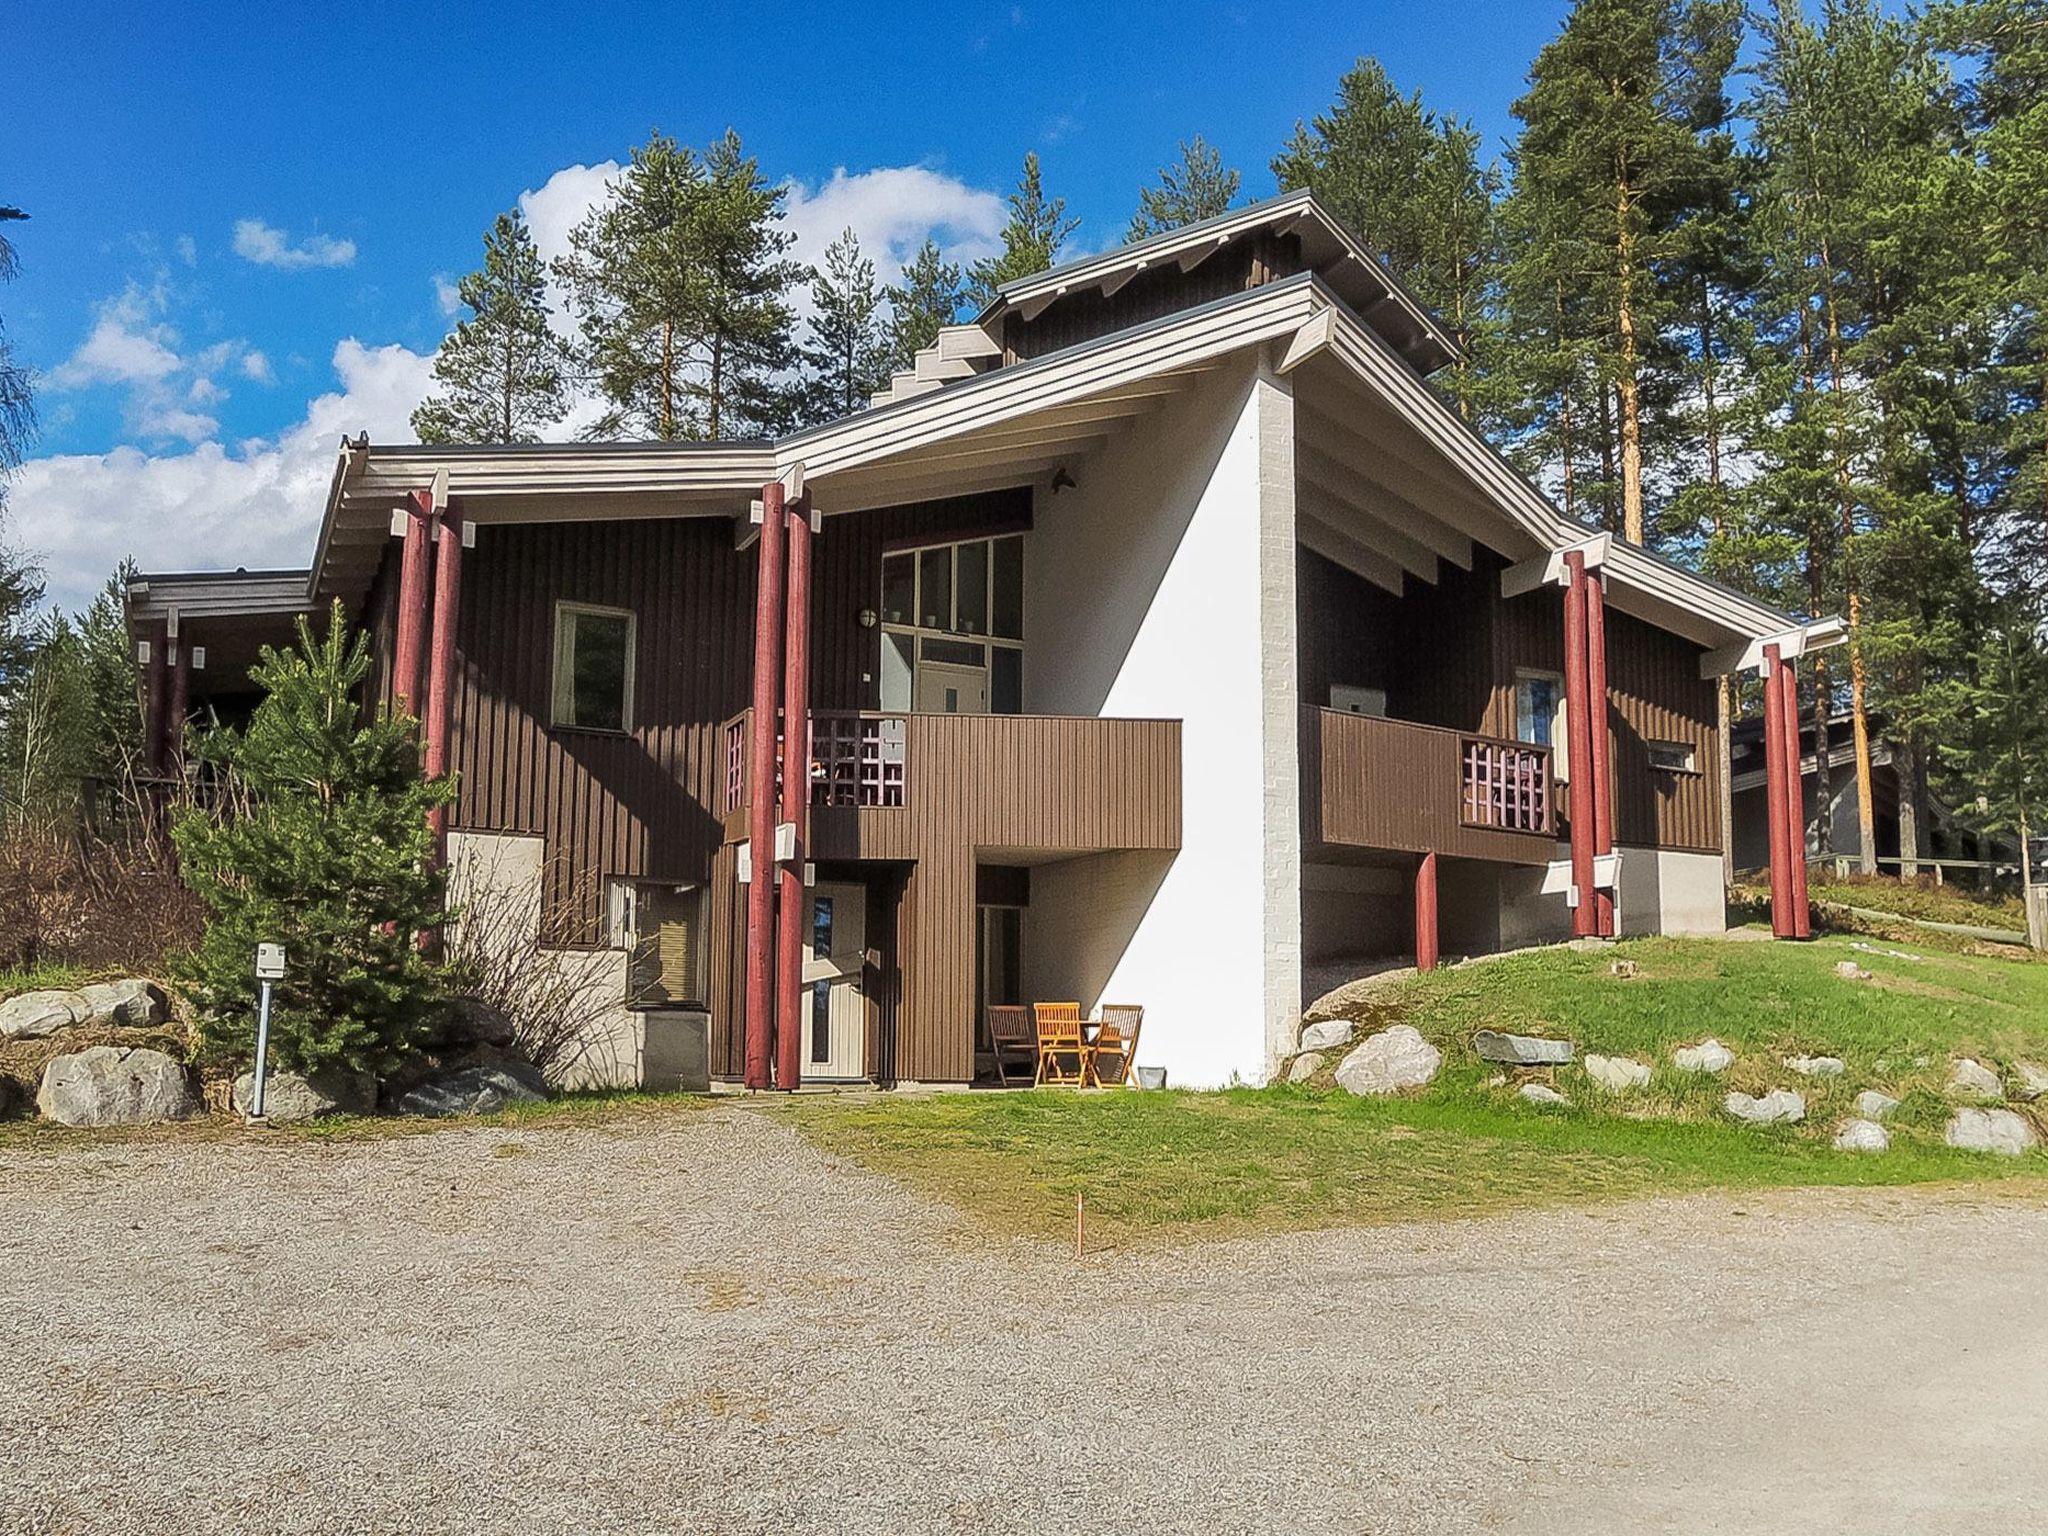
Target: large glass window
[
  {"x": 1539, "y": 699},
  {"x": 593, "y": 668},
  {"x": 958, "y": 607}
]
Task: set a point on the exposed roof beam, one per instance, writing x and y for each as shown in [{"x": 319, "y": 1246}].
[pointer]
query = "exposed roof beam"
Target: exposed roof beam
[
  {"x": 1375, "y": 502},
  {"x": 1416, "y": 558},
  {"x": 1552, "y": 569},
  {"x": 1368, "y": 458},
  {"x": 1748, "y": 656},
  {"x": 1333, "y": 544}
]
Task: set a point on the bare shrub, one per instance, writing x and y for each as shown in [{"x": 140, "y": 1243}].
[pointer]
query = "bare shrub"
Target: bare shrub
[{"x": 508, "y": 955}]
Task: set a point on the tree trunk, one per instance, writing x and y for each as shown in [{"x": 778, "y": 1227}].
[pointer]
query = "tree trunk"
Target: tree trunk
[
  {"x": 1859, "y": 718},
  {"x": 716, "y": 401},
  {"x": 1607, "y": 519},
  {"x": 1906, "y": 768},
  {"x": 1625, "y": 384},
  {"x": 667, "y": 428}
]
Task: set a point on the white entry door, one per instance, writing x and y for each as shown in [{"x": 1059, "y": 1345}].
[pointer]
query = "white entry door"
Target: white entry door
[
  {"x": 834, "y": 1008},
  {"x": 946, "y": 689}
]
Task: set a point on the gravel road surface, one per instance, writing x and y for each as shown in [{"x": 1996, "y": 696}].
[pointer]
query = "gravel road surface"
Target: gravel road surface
[{"x": 698, "y": 1323}]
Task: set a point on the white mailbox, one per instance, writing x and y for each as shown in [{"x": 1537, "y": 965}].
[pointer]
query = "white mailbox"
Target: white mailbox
[{"x": 270, "y": 962}]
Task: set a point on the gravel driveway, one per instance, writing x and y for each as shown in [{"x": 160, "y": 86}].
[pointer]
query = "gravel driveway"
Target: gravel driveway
[{"x": 698, "y": 1323}]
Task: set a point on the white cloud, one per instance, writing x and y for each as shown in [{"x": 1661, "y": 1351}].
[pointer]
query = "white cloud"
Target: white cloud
[
  {"x": 132, "y": 347},
  {"x": 892, "y": 210},
  {"x": 188, "y": 250},
  {"x": 270, "y": 247},
  {"x": 558, "y": 204},
  {"x": 209, "y": 507},
  {"x": 128, "y": 344},
  {"x": 256, "y": 366},
  {"x": 447, "y": 295}
]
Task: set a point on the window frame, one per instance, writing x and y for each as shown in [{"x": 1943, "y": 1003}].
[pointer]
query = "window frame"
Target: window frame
[
  {"x": 562, "y": 681},
  {"x": 918, "y": 633},
  {"x": 1690, "y": 750},
  {"x": 1559, "y": 723}
]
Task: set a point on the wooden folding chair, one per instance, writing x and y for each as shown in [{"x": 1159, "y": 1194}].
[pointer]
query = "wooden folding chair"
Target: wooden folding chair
[
  {"x": 1116, "y": 1045},
  {"x": 1063, "y": 1055},
  {"x": 1014, "y": 1042}
]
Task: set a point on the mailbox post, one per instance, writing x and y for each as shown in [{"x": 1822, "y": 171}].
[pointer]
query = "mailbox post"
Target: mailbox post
[{"x": 269, "y": 968}]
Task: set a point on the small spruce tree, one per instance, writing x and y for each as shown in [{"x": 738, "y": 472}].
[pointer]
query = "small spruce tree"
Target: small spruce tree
[
  {"x": 331, "y": 856},
  {"x": 923, "y": 304},
  {"x": 501, "y": 376},
  {"x": 1199, "y": 187},
  {"x": 1038, "y": 227},
  {"x": 847, "y": 353}
]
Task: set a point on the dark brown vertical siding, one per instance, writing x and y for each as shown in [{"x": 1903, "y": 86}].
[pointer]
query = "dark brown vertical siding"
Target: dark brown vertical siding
[
  {"x": 1447, "y": 655},
  {"x": 1654, "y": 681}
]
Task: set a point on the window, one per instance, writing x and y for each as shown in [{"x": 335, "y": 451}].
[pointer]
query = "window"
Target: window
[
  {"x": 1539, "y": 707},
  {"x": 1674, "y": 757},
  {"x": 957, "y": 608},
  {"x": 593, "y": 668},
  {"x": 662, "y": 929}
]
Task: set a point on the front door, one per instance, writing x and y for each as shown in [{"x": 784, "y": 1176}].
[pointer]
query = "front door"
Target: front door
[
  {"x": 946, "y": 689},
  {"x": 833, "y": 1006}
]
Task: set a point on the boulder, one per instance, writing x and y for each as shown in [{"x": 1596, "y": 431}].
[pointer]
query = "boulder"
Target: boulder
[
  {"x": 1617, "y": 1074},
  {"x": 1849, "y": 970},
  {"x": 1971, "y": 1079},
  {"x": 1391, "y": 1061},
  {"x": 1326, "y": 1034},
  {"x": 2029, "y": 1080},
  {"x": 480, "y": 1023},
  {"x": 1306, "y": 1066},
  {"x": 475, "y": 1091},
  {"x": 1780, "y": 1106},
  {"x": 1521, "y": 1050},
  {"x": 288, "y": 1097},
  {"x": 2003, "y": 1131},
  {"x": 1542, "y": 1093},
  {"x": 113, "y": 1085},
  {"x": 36, "y": 1015},
  {"x": 1710, "y": 1055},
  {"x": 131, "y": 1004},
  {"x": 1862, "y": 1136},
  {"x": 1815, "y": 1066},
  {"x": 1872, "y": 1105}
]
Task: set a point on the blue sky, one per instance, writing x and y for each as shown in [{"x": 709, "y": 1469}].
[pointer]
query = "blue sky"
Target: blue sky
[{"x": 244, "y": 221}]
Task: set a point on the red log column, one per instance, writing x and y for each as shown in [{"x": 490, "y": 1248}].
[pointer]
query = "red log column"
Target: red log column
[
  {"x": 1425, "y": 914},
  {"x": 1795, "y": 803},
  {"x": 1776, "y": 798},
  {"x": 441, "y": 654},
  {"x": 761, "y": 789},
  {"x": 1579, "y": 744},
  {"x": 412, "y": 605},
  {"x": 181, "y": 705},
  {"x": 1600, "y": 748},
  {"x": 796, "y": 795}
]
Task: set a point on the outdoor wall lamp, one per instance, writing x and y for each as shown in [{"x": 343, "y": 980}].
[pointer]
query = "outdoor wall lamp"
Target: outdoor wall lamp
[{"x": 867, "y": 618}]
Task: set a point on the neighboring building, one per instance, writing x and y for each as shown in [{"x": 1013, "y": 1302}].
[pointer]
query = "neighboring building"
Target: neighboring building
[
  {"x": 1941, "y": 835},
  {"x": 1165, "y": 633}
]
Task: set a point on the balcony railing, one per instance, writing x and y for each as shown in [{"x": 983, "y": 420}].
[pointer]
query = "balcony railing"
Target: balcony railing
[
  {"x": 1506, "y": 784},
  {"x": 1370, "y": 782},
  {"x": 854, "y": 759}
]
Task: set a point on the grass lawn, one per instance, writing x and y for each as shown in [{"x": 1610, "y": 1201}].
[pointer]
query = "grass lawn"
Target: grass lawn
[
  {"x": 1948, "y": 903},
  {"x": 1153, "y": 1166}
]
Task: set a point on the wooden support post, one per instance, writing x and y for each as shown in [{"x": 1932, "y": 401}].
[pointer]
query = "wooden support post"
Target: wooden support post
[
  {"x": 1795, "y": 803},
  {"x": 155, "y": 702},
  {"x": 181, "y": 705},
  {"x": 1426, "y": 953},
  {"x": 761, "y": 789},
  {"x": 1776, "y": 793},
  {"x": 1579, "y": 744},
  {"x": 796, "y": 796},
  {"x": 412, "y": 603},
  {"x": 441, "y": 656},
  {"x": 1600, "y": 746}
]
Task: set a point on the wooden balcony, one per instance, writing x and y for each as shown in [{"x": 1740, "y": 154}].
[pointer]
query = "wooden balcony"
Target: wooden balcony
[
  {"x": 896, "y": 786},
  {"x": 1368, "y": 782}
]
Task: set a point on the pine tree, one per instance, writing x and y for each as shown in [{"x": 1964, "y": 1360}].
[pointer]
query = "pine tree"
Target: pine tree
[
  {"x": 1611, "y": 145},
  {"x": 848, "y": 352},
  {"x": 1038, "y": 227},
  {"x": 1199, "y": 187},
  {"x": 1411, "y": 184},
  {"x": 635, "y": 284},
  {"x": 743, "y": 341},
  {"x": 17, "y": 398},
  {"x": 332, "y": 857},
  {"x": 924, "y": 303},
  {"x": 501, "y": 373}
]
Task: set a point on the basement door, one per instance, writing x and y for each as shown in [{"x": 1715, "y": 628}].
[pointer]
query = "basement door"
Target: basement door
[{"x": 835, "y": 1014}]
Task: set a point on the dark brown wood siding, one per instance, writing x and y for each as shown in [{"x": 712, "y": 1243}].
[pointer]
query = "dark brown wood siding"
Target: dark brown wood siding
[
  {"x": 1447, "y": 655},
  {"x": 1251, "y": 262}
]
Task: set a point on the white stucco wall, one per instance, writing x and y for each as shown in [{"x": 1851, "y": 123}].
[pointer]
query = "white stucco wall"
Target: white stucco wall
[
  {"x": 1163, "y": 586},
  {"x": 1663, "y": 891}
]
